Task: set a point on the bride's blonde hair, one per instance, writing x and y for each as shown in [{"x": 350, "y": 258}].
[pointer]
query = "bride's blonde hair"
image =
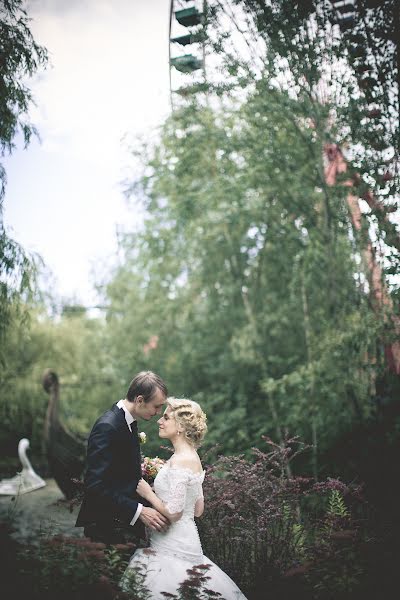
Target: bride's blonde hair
[{"x": 190, "y": 417}]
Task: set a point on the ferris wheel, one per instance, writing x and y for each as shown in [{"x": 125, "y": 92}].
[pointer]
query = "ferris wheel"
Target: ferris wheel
[{"x": 187, "y": 56}]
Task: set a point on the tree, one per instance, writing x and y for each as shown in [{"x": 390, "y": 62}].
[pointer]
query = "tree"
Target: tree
[
  {"x": 20, "y": 56},
  {"x": 344, "y": 59},
  {"x": 247, "y": 286}
]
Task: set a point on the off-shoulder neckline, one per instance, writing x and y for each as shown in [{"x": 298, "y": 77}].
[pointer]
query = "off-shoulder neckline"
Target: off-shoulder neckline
[{"x": 187, "y": 469}]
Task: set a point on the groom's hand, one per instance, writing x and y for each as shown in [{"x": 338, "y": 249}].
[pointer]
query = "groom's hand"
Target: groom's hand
[{"x": 153, "y": 519}]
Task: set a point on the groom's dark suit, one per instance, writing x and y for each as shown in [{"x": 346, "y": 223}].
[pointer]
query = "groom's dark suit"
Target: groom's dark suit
[{"x": 113, "y": 472}]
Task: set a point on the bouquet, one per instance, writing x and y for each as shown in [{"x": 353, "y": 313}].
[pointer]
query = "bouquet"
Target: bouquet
[{"x": 151, "y": 467}]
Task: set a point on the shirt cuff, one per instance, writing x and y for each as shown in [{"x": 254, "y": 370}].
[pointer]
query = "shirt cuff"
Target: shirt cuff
[{"x": 137, "y": 513}]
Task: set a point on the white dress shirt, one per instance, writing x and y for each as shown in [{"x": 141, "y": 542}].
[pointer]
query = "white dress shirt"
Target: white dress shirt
[{"x": 129, "y": 420}]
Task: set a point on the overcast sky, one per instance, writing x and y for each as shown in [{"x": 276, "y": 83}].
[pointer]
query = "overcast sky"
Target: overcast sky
[{"x": 108, "y": 78}]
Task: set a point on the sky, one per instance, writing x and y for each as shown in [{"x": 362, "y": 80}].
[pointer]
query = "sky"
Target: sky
[{"x": 107, "y": 82}]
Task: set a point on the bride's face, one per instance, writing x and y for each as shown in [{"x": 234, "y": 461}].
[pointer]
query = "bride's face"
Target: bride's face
[{"x": 168, "y": 428}]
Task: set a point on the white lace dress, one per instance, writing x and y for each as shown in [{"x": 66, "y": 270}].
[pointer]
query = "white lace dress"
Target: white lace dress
[{"x": 172, "y": 553}]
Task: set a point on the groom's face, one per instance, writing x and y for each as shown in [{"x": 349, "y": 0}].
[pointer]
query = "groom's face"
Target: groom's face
[{"x": 147, "y": 410}]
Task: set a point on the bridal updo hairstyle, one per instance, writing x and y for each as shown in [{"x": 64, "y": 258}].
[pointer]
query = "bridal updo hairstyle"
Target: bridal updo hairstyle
[{"x": 190, "y": 418}]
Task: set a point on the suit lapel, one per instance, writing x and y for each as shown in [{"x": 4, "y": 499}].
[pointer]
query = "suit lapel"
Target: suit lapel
[
  {"x": 138, "y": 455},
  {"x": 132, "y": 436},
  {"x": 122, "y": 424}
]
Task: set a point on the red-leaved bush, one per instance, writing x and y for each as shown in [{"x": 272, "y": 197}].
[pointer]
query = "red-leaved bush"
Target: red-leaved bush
[{"x": 271, "y": 532}]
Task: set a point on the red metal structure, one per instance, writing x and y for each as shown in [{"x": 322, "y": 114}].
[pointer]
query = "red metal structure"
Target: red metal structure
[{"x": 335, "y": 165}]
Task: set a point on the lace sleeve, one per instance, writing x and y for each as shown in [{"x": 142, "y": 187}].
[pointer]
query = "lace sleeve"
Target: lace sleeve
[
  {"x": 178, "y": 482},
  {"x": 200, "y": 487},
  {"x": 200, "y": 493}
]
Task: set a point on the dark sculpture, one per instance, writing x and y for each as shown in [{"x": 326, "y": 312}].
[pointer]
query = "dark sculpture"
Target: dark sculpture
[{"x": 65, "y": 451}]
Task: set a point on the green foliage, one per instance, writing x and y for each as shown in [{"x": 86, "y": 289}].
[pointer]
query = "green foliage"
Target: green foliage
[
  {"x": 336, "y": 505},
  {"x": 254, "y": 296},
  {"x": 248, "y": 270},
  {"x": 17, "y": 287},
  {"x": 76, "y": 348},
  {"x": 20, "y": 56},
  {"x": 70, "y": 567},
  {"x": 347, "y": 76}
]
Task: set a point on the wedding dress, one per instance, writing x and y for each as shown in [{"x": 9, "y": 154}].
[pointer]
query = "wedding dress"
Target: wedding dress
[{"x": 173, "y": 552}]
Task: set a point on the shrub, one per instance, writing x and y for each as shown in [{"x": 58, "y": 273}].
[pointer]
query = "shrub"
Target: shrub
[
  {"x": 71, "y": 568},
  {"x": 272, "y": 531}
]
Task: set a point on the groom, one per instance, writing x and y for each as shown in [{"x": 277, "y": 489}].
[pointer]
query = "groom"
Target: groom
[{"x": 111, "y": 511}]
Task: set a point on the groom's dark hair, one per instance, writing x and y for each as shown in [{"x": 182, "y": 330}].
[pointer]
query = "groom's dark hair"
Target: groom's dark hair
[{"x": 145, "y": 384}]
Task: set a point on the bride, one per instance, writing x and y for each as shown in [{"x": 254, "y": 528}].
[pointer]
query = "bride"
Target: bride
[{"x": 178, "y": 495}]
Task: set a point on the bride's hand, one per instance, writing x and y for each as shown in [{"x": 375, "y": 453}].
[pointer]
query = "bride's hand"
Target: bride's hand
[{"x": 143, "y": 489}]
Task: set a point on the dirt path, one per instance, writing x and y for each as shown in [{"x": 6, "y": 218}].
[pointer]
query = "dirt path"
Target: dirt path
[{"x": 39, "y": 513}]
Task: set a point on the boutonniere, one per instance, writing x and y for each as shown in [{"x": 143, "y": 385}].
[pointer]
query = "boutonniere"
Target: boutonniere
[{"x": 142, "y": 437}]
